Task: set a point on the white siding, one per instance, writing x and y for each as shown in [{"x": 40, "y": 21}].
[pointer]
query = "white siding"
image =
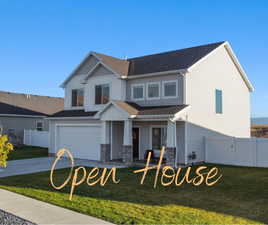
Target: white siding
[{"x": 219, "y": 72}]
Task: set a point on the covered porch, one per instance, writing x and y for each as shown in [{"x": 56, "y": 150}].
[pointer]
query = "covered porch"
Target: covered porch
[{"x": 127, "y": 138}]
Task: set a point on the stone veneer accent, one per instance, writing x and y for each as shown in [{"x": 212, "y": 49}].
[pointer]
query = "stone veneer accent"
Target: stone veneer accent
[
  {"x": 127, "y": 154},
  {"x": 170, "y": 156},
  {"x": 105, "y": 155}
]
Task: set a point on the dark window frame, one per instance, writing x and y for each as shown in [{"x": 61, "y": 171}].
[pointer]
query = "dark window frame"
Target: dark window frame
[
  {"x": 102, "y": 94},
  {"x": 76, "y": 94}
]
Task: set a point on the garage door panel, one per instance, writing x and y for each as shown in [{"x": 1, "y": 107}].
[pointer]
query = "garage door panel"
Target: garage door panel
[{"x": 82, "y": 141}]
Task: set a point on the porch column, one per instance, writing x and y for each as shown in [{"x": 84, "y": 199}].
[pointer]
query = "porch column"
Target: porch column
[
  {"x": 127, "y": 142},
  {"x": 171, "y": 143},
  {"x": 105, "y": 155}
]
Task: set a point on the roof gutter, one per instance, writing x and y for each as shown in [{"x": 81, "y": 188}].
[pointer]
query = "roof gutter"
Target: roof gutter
[
  {"x": 181, "y": 71},
  {"x": 19, "y": 115},
  {"x": 153, "y": 116},
  {"x": 71, "y": 117}
]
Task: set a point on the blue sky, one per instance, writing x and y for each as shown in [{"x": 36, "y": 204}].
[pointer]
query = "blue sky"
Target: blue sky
[{"x": 42, "y": 41}]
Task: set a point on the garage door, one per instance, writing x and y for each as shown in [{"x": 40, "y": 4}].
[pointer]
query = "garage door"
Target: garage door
[{"x": 83, "y": 141}]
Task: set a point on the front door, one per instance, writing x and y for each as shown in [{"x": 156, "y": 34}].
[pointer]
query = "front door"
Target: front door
[{"x": 136, "y": 142}]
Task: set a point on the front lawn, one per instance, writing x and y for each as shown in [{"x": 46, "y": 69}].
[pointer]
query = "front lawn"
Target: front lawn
[
  {"x": 240, "y": 198},
  {"x": 26, "y": 152}
]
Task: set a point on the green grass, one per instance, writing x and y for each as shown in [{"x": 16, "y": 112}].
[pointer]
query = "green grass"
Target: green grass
[
  {"x": 241, "y": 197},
  {"x": 27, "y": 152}
]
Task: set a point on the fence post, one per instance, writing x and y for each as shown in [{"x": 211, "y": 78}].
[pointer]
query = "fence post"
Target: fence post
[{"x": 256, "y": 151}]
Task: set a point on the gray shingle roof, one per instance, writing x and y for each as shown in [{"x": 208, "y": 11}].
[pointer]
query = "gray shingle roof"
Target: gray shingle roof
[
  {"x": 166, "y": 61},
  {"x": 73, "y": 113},
  {"x": 42, "y": 104},
  {"x": 173, "y": 60},
  {"x": 135, "y": 109},
  {"x": 15, "y": 110}
]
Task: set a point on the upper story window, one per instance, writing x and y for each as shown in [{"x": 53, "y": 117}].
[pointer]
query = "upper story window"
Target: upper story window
[
  {"x": 170, "y": 89},
  {"x": 102, "y": 94},
  {"x": 153, "y": 90},
  {"x": 77, "y": 97},
  {"x": 218, "y": 101},
  {"x": 39, "y": 125},
  {"x": 137, "y": 92}
]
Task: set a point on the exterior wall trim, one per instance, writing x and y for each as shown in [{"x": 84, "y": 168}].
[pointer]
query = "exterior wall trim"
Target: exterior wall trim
[{"x": 169, "y": 72}]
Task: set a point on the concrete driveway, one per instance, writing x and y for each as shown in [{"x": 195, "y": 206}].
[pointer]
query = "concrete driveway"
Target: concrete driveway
[{"x": 25, "y": 166}]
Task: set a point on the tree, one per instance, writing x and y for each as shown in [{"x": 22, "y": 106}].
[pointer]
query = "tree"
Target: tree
[{"x": 5, "y": 148}]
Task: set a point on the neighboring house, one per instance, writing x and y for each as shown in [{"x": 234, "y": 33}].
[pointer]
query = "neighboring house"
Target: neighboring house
[
  {"x": 25, "y": 111},
  {"x": 117, "y": 109},
  {"x": 258, "y": 130}
]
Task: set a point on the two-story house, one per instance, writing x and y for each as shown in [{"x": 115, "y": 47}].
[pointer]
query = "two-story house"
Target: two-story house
[{"x": 117, "y": 109}]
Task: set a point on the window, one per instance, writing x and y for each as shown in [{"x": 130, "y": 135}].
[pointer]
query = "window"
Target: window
[
  {"x": 218, "y": 101},
  {"x": 153, "y": 90},
  {"x": 77, "y": 97},
  {"x": 11, "y": 133},
  {"x": 39, "y": 125},
  {"x": 170, "y": 89},
  {"x": 159, "y": 137},
  {"x": 138, "y": 92},
  {"x": 102, "y": 94}
]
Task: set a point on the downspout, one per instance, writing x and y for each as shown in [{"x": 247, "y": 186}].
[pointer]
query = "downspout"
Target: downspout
[{"x": 185, "y": 102}]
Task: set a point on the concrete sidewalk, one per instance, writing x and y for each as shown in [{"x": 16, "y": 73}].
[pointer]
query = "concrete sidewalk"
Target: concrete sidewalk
[{"x": 40, "y": 212}]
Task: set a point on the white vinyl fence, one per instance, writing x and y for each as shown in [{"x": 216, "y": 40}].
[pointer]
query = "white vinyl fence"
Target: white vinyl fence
[
  {"x": 36, "y": 138},
  {"x": 251, "y": 152}
]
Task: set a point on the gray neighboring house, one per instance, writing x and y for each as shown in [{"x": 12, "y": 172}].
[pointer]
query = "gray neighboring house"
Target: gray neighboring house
[
  {"x": 25, "y": 111},
  {"x": 116, "y": 109}
]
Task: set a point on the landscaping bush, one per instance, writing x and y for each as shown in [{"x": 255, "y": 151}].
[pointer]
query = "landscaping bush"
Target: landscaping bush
[{"x": 5, "y": 148}]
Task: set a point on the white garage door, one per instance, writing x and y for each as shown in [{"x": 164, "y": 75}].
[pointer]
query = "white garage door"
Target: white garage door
[{"x": 83, "y": 141}]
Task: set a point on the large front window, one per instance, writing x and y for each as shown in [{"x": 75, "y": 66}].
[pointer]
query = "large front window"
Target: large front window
[
  {"x": 77, "y": 97},
  {"x": 159, "y": 138},
  {"x": 102, "y": 94}
]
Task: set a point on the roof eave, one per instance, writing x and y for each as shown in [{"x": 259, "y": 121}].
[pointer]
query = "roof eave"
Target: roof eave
[
  {"x": 180, "y": 71},
  {"x": 22, "y": 115}
]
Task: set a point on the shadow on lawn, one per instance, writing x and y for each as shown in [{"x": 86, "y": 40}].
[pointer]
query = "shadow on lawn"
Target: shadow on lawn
[{"x": 242, "y": 192}]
